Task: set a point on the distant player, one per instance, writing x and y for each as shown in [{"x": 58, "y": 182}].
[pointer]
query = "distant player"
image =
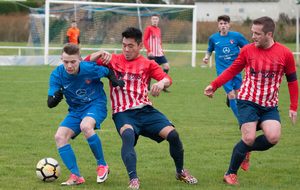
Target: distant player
[
  {"x": 152, "y": 42},
  {"x": 227, "y": 46},
  {"x": 265, "y": 62},
  {"x": 80, "y": 82},
  {"x": 73, "y": 34},
  {"x": 133, "y": 113}
]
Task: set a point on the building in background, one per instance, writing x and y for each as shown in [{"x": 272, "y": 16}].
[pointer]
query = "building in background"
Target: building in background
[{"x": 240, "y": 10}]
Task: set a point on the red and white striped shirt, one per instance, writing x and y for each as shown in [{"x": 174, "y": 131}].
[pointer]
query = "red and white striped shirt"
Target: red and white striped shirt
[
  {"x": 136, "y": 74},
  {"x": 264, "y": 70},
  {"x": 152, "y": 41}
]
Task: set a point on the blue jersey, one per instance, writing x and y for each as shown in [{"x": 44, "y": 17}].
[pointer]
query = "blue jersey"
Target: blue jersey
[
  {"x": 80, "y": 90},
  {"x": 226, "y": 48}
]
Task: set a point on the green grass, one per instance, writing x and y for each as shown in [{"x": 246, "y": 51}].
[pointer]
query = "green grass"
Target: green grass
[{"x": 207, "y": 128}]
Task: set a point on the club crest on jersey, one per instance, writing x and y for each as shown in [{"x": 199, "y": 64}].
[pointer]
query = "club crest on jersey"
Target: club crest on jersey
[
  {"x": 88, "y": 81},
  {"x": 231, "y": 41}
]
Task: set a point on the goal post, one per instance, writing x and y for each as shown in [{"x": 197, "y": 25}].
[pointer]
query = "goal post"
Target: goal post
[{"x": 101, "y": 25}]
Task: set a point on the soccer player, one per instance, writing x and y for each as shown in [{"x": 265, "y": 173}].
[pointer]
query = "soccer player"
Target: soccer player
[
  {"x": 133, "y": 113},
  {"x": 80, "y": 82},
  {"x": 227, "y": 46},
  {"x": 265, "y": 62},
  {"x": 73, "y": 34},
  {"x": 152, "y": 42}
]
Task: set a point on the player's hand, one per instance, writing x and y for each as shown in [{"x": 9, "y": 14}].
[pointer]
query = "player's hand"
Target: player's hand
[
  {"x": 106, "y": 57},
  {"x": 156, "y": 88},
  {"x": 113, "y": 79},
  {"x": 293, "y": 115},
  {"x": 209, "y": 91},
  {"x": 58, "y": 95},
  {"x": 205, "y": 60},
  {"x": 151, "y": 54},
  {"x": 118, "y": 82}
]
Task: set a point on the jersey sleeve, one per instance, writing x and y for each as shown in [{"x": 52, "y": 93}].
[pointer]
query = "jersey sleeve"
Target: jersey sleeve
[
  {"x": 99, "y": 61},
  {"x": 54, "y": 83},
  {"x": 211, "y": 47},
  {"x": 292, "y": 80},
  {"x": 242, "y": 41},
  {"x": 69, "y": 33},
  {"x": 100, "y": 70},
  {"x": 157, "y": 73},
  {"x": 145, "y": 39},
  {"x": 237, "y": 66}
]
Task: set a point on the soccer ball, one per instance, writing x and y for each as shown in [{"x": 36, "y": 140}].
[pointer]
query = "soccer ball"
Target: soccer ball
[{"x": 47, "y": 169}]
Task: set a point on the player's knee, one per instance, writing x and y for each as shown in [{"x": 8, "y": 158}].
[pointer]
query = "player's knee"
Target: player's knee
[
  {"x": 173, "y": 136},
  {"x": 166, "y": 66},
  {"x": 60, "y": 139},
  {"x": 273, "y": 139},
  {"x": 87, "y": 130},
  {"x": 249, "y": 139}
]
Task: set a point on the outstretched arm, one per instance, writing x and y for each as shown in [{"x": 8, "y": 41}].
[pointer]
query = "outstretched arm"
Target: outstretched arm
[{"x": 104, "y": 55}]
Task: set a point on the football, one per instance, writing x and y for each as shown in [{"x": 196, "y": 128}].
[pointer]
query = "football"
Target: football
[{"x": 47, "y": 169}]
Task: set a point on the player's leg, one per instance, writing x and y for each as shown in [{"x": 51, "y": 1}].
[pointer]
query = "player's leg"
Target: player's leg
[
  {"x": 66, "y": 153},
  {"x": 124, "y": 127},
  {"x": 91, "y": 121},
  {"x": 248, "y": 120},
  {"x": 228, "y": 87},
  {"x": 157, "y": 127}
]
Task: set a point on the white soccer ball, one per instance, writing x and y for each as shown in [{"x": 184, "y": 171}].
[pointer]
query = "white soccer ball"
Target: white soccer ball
[{"x": 47, "y": 169}]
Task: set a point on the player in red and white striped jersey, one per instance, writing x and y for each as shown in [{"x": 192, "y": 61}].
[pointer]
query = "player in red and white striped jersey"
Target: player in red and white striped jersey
[
  {"x": 133, "y": 113},
  {"x": 265, "y": 62},
  {"x": 153, "y": 44}
]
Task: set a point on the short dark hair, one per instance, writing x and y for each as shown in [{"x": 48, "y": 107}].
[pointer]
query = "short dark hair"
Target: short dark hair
[
  {"x": 154, "y": 14},
  {"x": 226, "y": 18},
  {"x": 267, "y": 22},
  {"x": 133, "y": 33},
  {"x": 71, "y": 49},
  {"x": 73, "y": 21}
]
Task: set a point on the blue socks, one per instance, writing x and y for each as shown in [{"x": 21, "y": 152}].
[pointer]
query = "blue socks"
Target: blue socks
[
  {"x": 68, "y": 157},
  {"x": 261, "y": 143},
  {"x": 128, "y": 153},
  {"x": 96, "y": 147},
  {"x": 176, "y": 150},
  {"x": 166, "y": 70},
  {"x": 238, "y": 155},
  {"x": 233, "y": 106}
]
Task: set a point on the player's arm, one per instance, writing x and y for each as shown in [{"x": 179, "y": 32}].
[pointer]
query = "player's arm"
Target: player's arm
[
  {"x": 145, "y": 40},
  {"x": 100, "y": 57},
  {"x": 209, "y": 51},
  {"x": 156, "y": 88},
  {"x": 291, "y": 77},
  {"x": 206, "y": 57},
  {"x": 164, "y": 80},
  {"x": 113, "y": 79},
  {"x": 68, "y": 40},
  {"x": 236, "y": 67},
  {"x": 55, "y": 99}
]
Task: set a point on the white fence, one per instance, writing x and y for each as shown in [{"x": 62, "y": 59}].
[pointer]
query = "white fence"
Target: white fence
[{"x": 19, "y": 59}]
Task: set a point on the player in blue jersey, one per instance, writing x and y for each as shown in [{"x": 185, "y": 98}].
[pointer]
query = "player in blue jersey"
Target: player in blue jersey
[
  {"x": 226, "y": 45},
  {"x": 80, "y": 82}
]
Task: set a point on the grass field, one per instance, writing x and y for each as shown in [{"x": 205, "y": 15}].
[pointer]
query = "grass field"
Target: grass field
[{"x": 207, "y": 127}]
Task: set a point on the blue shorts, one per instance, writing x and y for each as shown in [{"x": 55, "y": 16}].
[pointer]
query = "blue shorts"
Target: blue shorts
[
  {"x": 159, "y": 60},
  {"x": 74, "y": 118},
  {"x": 146, "y": 121},
  {"x": 233, "y": 84},
  {"x": 249, "y": 112}
]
